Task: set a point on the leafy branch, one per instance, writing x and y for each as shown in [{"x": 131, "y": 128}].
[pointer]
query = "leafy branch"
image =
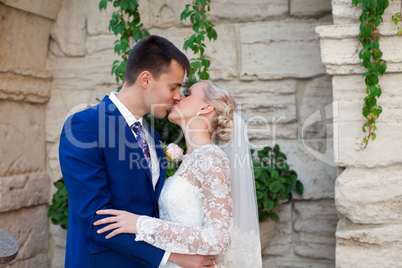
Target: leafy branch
[
  {"x": 274, "y": 181},
  {"x": 371, "y": 55},
  {"x": 197, "y": 12},
  {"x": 57, "y": 211},
  {"x": 396, "y": 18},
  {"x": 126, "y": 24}
]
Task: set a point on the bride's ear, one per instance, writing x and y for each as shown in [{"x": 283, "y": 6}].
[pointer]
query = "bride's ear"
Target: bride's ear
[{"x": 207, "y": 109}]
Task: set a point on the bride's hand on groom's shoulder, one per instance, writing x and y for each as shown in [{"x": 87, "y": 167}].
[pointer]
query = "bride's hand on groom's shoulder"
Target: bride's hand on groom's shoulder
[{"x": 120, "y": 222}]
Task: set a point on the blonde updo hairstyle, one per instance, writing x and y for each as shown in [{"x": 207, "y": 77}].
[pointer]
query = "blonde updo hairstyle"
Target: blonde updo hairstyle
[{"x": 225, "y": 105}]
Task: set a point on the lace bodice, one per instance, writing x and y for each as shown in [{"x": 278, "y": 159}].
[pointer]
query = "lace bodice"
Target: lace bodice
[{"x": 195, "y": 207}]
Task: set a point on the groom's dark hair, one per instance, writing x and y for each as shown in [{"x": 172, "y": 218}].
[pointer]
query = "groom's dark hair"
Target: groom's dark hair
[{"x": 154, "y": 54}]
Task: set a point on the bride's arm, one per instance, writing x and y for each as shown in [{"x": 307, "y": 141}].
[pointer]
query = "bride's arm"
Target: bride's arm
[{"x": 212, "y": 180}]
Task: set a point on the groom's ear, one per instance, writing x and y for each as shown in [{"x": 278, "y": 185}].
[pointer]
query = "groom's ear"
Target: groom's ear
[{"x": 145, "y": 79}]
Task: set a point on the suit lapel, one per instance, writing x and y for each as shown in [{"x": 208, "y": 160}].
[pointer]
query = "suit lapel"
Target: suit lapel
[{"x": 124, "y": 132}]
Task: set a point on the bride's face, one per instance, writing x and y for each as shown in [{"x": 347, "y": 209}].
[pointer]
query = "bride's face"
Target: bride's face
[{"x": 189, "y": 105}]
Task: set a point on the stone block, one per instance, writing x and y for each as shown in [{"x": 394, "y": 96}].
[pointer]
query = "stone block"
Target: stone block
[
  {"x": 98, "y": 21},
  {"x": 222, "y": 52},
  {"x": 25, "y": 85},
  {"x": 315, "y": 225},
  {"x": 53, "y": 164},
  {"x": 266, "y": 32},
  {"x": 165, "y": 14},
  {"x": 37, "y": 261},
  {"x": 317, "y": 94},
  {"x": 83, "y": 73},
  {"x": 345, "y": 13},
  {"x": 69, "y": 30},
  {"x": 368, "y": 246},
  {"x": 59, "y": 235},
  {"x": 100, "y": 43},
  {"x": 340, "y": 48},
  {"x": 348, "y": 93},
  {"x": 364, "y": 194},
  {"x": 310, "y": 8},
  {"x": 24, "y": 39},
  {"x": 45, "y": 8},
  {"x": 275, "y": 50},
  {"x": 260, "y": 131},
  {"x": 22, "y": 143},
  {"x": 281, "y": 242},
  {"x": 57, "y": 252},
  {"x": 268, "y": 107},
  {"x": 64, "y": 103},
  {"x": 23, "y": 191},
  {"x": 29, "y": 226},
  {"x": 317, "y": 176},
  {"x": 276, "y": 60},
  {"x": 269, "y": 262},
  {"x": 240, "y": 11},
  {"x": 58, "y": 257},
  {"x": 266, "y": 232},
  {"x": 381, "y": 152}
]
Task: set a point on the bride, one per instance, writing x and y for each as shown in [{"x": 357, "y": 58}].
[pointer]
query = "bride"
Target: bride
[{"x": 208, "y": 207}]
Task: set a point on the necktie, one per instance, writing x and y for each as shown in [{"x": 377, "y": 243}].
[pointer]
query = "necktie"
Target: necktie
[{"x": 142, "y": 142}]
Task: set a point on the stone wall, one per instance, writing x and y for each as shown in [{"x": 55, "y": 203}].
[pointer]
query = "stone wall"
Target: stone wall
[
  {"x": 24, "y": 91},
  {"x": 369, "y": 191},
  {"x": 268, "y": 55}
]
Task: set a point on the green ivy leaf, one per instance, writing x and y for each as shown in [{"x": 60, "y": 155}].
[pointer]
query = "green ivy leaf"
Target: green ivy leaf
[
  {"x": 299, "y": 188},
  {"x": 257, "y": 172},
  {"x": 275, "y": 186},
  {"x": 102, "y": 5},
  {"x": 274, "y": 216},
  {"x": 373, "y": 90},
  {"x": 268, "y": 205},
  {"x": 259, "y": 194}
]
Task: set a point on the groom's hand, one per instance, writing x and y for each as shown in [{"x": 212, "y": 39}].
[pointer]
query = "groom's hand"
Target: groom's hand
[{"x": 192, "y": 261}]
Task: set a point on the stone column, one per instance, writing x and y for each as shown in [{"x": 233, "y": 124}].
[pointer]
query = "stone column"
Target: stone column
[
  {"x": 368, "y": 194},
  {"x": 24, "y": 91}
]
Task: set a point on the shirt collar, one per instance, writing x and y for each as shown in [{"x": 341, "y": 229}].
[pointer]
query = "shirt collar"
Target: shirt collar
[{"x": 127, "y": 115}]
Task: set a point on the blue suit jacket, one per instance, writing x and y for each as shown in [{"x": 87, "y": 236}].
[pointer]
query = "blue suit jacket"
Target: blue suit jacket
[{"x": 101, "y": 163}]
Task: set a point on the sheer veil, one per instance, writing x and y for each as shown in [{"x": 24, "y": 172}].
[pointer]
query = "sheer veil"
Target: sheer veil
[{"x": 245, "y": 248}]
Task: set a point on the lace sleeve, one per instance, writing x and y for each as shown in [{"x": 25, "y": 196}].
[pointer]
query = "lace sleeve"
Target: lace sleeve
[{"x": 209, "y": 172}]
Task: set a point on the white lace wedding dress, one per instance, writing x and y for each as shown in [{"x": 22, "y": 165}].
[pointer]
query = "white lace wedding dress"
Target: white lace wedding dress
[{"x": 195, "y": 209}]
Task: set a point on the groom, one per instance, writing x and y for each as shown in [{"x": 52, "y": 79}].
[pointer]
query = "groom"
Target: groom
[{"x": 111, "y": 158}]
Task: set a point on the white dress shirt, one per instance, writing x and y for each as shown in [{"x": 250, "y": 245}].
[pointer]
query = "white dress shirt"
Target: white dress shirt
[{"x": 130, "y": 119}]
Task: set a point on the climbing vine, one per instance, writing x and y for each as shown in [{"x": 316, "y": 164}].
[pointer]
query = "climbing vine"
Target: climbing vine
[
  {"x": 396, "y": 18},
  {"x": 125, "y": 24},
  {"x": 197, "y": 12},
  {"x": 371, "y": 55}
]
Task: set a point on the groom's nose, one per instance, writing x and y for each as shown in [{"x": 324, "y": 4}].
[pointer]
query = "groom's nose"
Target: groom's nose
[{"x": 176, "y": 96}]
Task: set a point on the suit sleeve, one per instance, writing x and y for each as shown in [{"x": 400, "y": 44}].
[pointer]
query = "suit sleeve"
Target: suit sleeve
[{"x": 84, "y": 171}]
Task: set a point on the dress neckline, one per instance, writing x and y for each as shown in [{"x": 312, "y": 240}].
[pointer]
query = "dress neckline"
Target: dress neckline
[{"x": 205, "y": 145}]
